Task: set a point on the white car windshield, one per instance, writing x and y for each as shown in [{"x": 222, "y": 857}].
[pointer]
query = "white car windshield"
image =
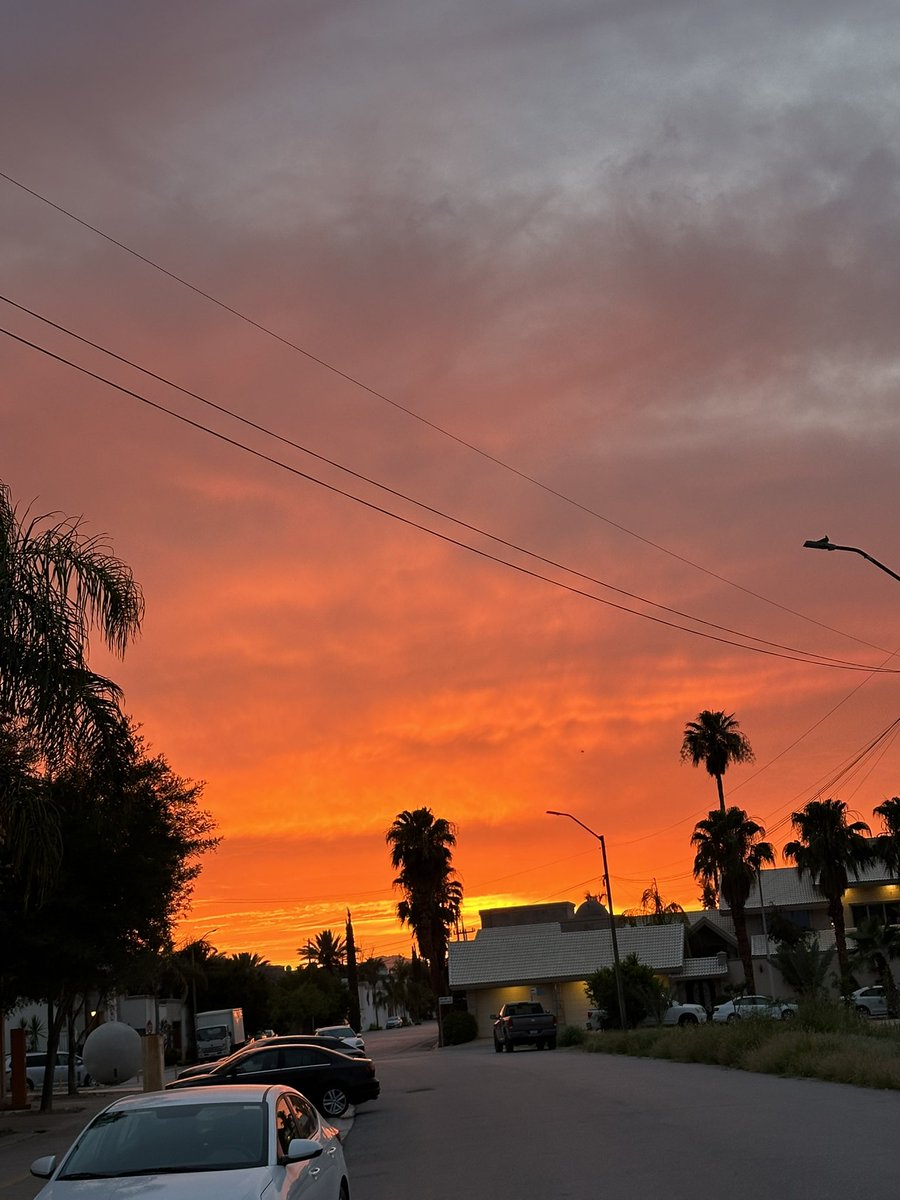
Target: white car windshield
[{"x": 171, "y": 1139}]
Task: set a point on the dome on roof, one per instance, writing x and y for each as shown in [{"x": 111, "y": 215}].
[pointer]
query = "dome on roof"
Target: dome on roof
[{"x": 591, "y": 907}]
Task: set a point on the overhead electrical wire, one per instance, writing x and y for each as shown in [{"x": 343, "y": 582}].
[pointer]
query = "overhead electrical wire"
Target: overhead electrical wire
[
  {"x": 773, "y": 649},
  {"x": 359, "y": 383},
  {"x": 814, "y": 660}
]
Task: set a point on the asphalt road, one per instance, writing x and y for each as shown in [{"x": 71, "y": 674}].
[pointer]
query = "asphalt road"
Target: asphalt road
[{"x": 465, "y": 1121}]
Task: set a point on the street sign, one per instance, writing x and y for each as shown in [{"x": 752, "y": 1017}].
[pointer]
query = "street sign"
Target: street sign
[{"x": 445, "y": 1000}]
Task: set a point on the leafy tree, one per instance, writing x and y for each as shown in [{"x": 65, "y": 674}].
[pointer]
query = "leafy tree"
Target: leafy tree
[
  {"x": 715, "y": 739},
  {"x": 422, "y": 851},
  {"x": 56, "y": 586},
  {"x": 327, "y": 950},
  {"x": 887, "y": 844},
  {"x": 828, "y": 849},
  {"x": 645, "y": 993},
  {"x": 354, "y": 1015},
  {"x": 875, "y": 945},
  {"x": 307, "y": 998},
  {"x": 132, "y": 837},
  {"x": 729, "y": 853}
]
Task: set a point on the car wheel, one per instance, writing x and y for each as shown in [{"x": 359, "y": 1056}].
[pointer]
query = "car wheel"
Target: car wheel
[
  {"x": 731, "y": 1017},
  {"x": 551, "y": 1045},
  {"x": 335, "y": 1102},
  {"x": 345, "y": 1190},
  {"x": 87, "y": 1081},
  {"x": 540, "y": 1044},
  {"x": 29, "y": 1083},
  {"x": 787, "y": 1014},
  {"x": 687, "y": 1019},
  {"x": 862, "y": 1011},
  {"x": 510, "y": 1046},
  {"x": 498, "y": 1046}
]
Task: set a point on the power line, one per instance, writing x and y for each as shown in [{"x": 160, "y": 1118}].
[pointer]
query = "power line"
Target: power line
[
  {"x": 356, "y": 382},
  {"x": 775, "y": 650}
]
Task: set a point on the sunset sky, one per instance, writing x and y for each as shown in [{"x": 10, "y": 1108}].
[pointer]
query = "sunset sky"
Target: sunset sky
[{"x": 542, "y": 336}]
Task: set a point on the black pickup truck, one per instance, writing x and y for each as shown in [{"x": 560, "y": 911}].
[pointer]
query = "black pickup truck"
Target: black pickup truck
[{"x": 524, "y": 1024}]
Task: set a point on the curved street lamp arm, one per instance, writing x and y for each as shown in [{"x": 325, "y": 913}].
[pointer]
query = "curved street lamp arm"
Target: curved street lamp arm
[{"x": 826, "y": 544}]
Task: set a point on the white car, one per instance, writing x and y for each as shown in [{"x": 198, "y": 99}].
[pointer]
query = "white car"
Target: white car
[
  {"x": 742, "y": 1007},
  {"x": 345, "y": 1033},
  {"x": 218, "y": 1143},
  {"x": 684, "y": 1014},
  {"x": 394, "y": 1023},
  {"x": 870, "y": 1001},
  {"x": 36, "y": 1067}
]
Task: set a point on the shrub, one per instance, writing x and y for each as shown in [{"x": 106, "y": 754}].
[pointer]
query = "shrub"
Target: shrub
[
  {"x": 459, "y": 1027},
  {"x": 570, "y": 1035}
]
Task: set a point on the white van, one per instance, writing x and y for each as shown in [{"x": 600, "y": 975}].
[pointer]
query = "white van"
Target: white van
[{"x": 36, "y": 1065}]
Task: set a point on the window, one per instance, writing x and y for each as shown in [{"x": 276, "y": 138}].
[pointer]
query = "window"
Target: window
[
  {"x": 307, "y": 1121},
  {"x": 265, "y": 1060},
  {"x": 286, "y": 1128},
  {"x": 888, "y": 913},
  {"x": 298, "y": 1056}
]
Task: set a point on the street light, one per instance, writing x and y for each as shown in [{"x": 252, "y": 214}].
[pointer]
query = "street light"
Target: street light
[
  {"x": 617, "y": 966},
  {"x": 825, "y": 543}
]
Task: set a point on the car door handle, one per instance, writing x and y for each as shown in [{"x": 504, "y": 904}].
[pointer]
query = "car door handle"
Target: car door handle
[{"x": 314, "y": 1171}]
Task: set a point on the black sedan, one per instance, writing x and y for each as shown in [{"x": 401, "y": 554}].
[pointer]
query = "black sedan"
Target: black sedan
[
  {"x": 332, "y": 1081},
  {"x": 287, "y": 1039}
]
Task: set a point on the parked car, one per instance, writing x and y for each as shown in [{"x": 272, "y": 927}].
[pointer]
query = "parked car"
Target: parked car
[
  {"x": 742, "y": 1007},
  {"x": 331, "y": 1080},
  {"x": 228, "y": 1143},
  {"x": 393, "y": 1023},
  {"x": 345, "y": 1033},
  {"x": 870, "y": 1001},
  {"x": 287, "y": 1039},
  {"x": 684, "y": 1014},
  {"x": 36, "y": 1066}
]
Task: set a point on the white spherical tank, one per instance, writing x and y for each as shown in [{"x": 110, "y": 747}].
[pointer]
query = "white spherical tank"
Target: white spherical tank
[{"x": 112, "y": 1053}]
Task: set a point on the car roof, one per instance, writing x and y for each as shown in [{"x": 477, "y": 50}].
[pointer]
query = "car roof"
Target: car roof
[{"x": 224, "y": 1093}]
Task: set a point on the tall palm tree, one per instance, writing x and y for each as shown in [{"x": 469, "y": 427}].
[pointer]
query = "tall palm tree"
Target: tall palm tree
[
  {"x": 828, "y": 848},
  {"x": 715, "y": 739},
  {"x": 422, "y": 851},
  {"x": 729, "y": 854},
  {"x": 56, "y": 586},
  {"x": 887, "y": 844},
  {"x": 327, "y": 950}
]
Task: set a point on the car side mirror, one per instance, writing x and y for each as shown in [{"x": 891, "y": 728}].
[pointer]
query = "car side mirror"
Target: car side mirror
[
  {"x": 300, "y": 1150},
  {"x": 44, "y": 1167},
  {"x": 494, "y": 1017}
]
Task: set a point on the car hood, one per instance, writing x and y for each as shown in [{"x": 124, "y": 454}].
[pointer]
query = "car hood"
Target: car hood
[{"x": 199, "y": 1185}]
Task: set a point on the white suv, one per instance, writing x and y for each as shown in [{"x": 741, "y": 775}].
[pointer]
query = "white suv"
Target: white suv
[{"x": 36, "y": 1065}]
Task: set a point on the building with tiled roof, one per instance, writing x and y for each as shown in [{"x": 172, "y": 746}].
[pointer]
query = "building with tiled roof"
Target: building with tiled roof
[{"x": 546, "y": 952}]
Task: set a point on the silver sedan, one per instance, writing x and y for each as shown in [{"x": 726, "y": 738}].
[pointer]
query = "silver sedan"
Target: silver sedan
[{"x": 235, "y": 1143}]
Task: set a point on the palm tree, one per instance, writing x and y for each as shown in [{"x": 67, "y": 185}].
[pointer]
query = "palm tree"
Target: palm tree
[
  {"x": 327, "y": 951},
  {"x": 729, "y": 854},
  {"x": 654, "y": 910},
  {"x": 715, "y": 739},
  {"x": 827, "y": 849},
  {"x": 56, "y": 586},
  {"x": 887, "y": 844},
  {"x": 422, "y": 850}
]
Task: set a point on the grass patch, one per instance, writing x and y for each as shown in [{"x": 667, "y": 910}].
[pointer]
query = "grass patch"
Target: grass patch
[{"x": 823, "y": 1041}]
